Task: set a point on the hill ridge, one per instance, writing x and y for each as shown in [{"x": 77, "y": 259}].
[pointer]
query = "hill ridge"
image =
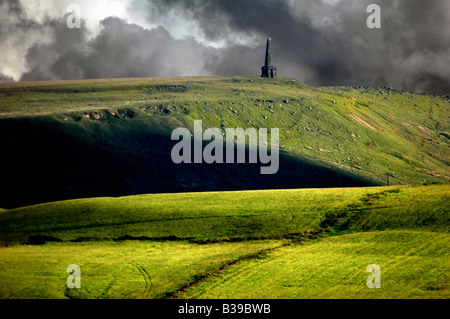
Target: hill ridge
[{"x": 129, "y": 122}]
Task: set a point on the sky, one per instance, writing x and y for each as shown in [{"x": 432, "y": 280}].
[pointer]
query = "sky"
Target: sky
[{"x": 318, "y": 42}]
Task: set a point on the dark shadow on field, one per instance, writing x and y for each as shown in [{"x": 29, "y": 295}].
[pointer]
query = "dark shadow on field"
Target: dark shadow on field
[{"x": 46, "y": 160}]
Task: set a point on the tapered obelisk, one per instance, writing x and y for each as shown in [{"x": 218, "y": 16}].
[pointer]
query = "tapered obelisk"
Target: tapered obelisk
[{"x": 268, "y": 70}]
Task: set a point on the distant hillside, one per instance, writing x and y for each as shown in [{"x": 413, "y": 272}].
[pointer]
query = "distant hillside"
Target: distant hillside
[{"x": 72, "y": 139}]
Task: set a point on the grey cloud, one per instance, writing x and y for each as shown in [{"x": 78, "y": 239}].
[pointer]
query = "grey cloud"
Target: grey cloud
[
  {"x": 123, "y": 49},
  {"x": 315, "y": 42},
  {"x": 17, "y": 34},
  {"x": 119, "y": 50},
  {"x": 5, "y": 78},
  {"x": 61, "y": 58},
  {"x": 342, "y": 51}
]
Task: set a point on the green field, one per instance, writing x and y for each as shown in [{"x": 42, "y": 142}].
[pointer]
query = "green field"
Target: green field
[
  {"x": 128, "y": 269},
  {"x": 233, "y": 215},
  {"x": 413, "y": 265},
  {"x": 318, "y": 241},
  {"x": 87, "y": 179}
]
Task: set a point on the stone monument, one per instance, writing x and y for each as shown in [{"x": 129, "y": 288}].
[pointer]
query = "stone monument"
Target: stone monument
[{"x": 268, "y": 70}]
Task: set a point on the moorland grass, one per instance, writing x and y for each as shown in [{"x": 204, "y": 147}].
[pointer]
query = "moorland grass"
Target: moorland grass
[
  {"x": 194, "y": 255},
  {"x": 178, "y": 239},
  {"x": 222, "y": 215},
  {"x": 117, "y": 270},
  {"x": 365, "y": 131},
  {"x": 413, "y": 265}
]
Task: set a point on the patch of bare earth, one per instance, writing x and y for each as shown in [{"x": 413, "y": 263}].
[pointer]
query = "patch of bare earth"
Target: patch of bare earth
[
  {"x": 418, "y": 127},
  {"x": 363, "y": 122}
]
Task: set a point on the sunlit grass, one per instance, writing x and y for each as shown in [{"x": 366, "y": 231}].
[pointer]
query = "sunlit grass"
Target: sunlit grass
[
  {"x": 128, "y": 269},
  {"x": 413, "y": 265}
]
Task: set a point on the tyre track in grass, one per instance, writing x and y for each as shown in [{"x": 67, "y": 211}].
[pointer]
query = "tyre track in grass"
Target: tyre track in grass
[{"x": 147, "y": 279}]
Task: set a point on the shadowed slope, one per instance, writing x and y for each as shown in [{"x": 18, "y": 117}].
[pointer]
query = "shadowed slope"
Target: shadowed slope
[{"x": 49, "y": 161}]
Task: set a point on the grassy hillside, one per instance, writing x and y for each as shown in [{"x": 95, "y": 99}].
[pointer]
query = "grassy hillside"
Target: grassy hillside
[
  {"x": 206, "y": 216},
  {"x": 233, "y": 215},
  {"x": 112, "y": 137},
  {"x": 129, "y": 269},
  {"x": 206, "y": 244},
  {"x": 73, "y": 152},
  {"x": 413, "y": 265}
]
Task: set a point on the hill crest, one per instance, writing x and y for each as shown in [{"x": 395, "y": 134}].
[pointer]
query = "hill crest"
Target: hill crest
[{"x": 92, "y": 134}]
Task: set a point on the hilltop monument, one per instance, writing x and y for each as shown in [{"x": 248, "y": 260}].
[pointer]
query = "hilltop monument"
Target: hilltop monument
[{"x": 268, "y": 70}]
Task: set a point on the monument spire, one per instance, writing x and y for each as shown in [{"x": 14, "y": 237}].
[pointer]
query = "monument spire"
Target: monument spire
[
  {"x": 268, "y": 53},
  {"x": 268, "y": 70}
]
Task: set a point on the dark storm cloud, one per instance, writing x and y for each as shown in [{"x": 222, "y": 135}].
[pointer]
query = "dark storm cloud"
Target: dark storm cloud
[
  {"x": 16, "y": 35},
  {"x": 123, "y": 49},
  {"x": 329, "y": 44},
  {"x": 5, "y": 78},
  {"x": 313, "y": 41},
  {"x": 59, "y": 59},
  {"x": 119, "y": 50}
]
